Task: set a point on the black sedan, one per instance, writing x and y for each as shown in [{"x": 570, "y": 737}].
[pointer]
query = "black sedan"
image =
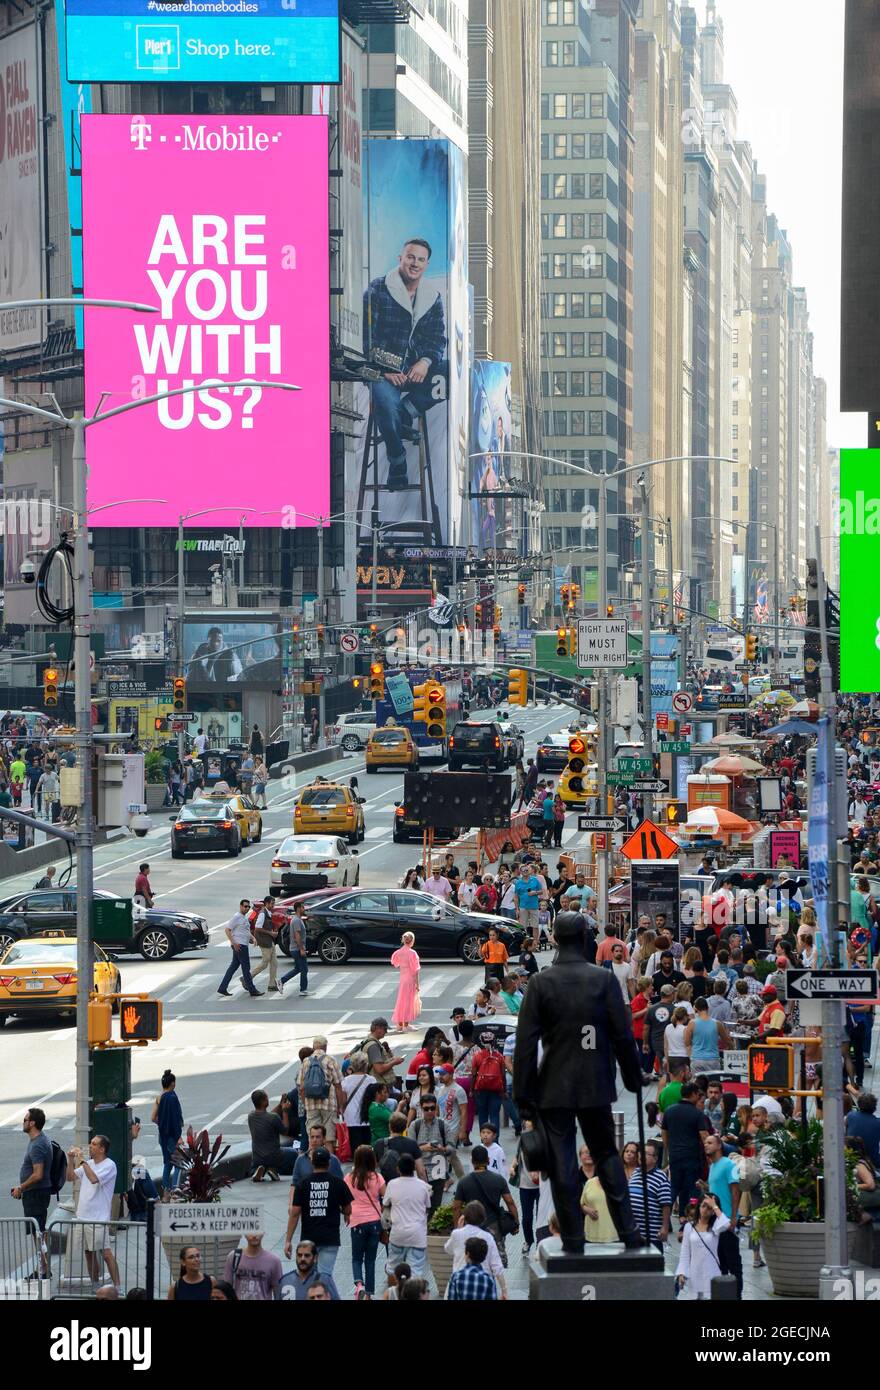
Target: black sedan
[
  {"x": 369, "y": 922},
  {"x": 204, "y": 825},
  {"x": 155, "y": 933}
]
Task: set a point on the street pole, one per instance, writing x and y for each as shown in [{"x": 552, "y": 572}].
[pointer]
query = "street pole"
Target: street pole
[
  {"x": 833, "y": 1130},
  {"x": 647, "y": 713},
  {"x": 181, "y": 605},
  {"x": 670, "y": 597},
  {"x": 240, "y": 557},
  {"x": 606, "y": 749},
  {"x": 82, "y": 618},
  {"x": 778, "y": 616},
  {"x": 322, "y": 698},
  {"x": 373, "y": 581}
]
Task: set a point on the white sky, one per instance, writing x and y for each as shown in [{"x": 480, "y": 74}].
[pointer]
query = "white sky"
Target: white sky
[{"x": 784, "y": 61}]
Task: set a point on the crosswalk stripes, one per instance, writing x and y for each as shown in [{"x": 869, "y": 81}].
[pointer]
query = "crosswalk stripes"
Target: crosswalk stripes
[{"x": 373, "y": 988}]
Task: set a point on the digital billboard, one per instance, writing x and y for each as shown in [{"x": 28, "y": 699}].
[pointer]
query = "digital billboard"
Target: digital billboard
[
  {"x": 412, "y": 443},
  {"x": 202, "y": 40},
  {"x": 859, "y": 554},
  {"x": 224, "y": 228},
  {"x": 490, "y": 445},
  {"x": 231, "y": 652},
  {"x": 20, "y": 227}
]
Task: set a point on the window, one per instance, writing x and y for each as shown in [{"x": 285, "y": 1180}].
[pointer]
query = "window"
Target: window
[
  {"x": 597, "y": 104},
  {"x": 560, "y": 105},
  {"x": 577, "y": 496},
  {"x": 577, "y": 384},
  {"x": 578, "y": 146},
  {"x": 577, "y": 422},
  {"x": 734, "y": 502},
  {"x": 734, "y": 432},
  {"x": 554, "y": 537},
  {"x": 578, "y": 186},
  {"x": 577, "y": 265},
  {"x": 597, "y": 265},
  {"x": 596, "y": 344},
  {"x": 559, "y": 345},
  {"x": 545, "y": 345},
  {"x": 560, "y": 147},
  {"x": 545, "y": 383},
  {"x": 569, "y": 54},
  {"x": 578, "y": 106},
  {"x": 560, "y": 265},
  {"x": 578, "y": 223},
  {"x": 597, "y": 423},
  {"x": 597, "y": 384},
  {"x": 545, "y": 146},
  {"x": 734, "y": 480},
  {"x": 736, "y": 356},
  {"x": 597, "y": 305},
  {"x": 577, "y": 306},
  {"x": 572, "y": 535},
  {"x": 577, "y": 345},
  {"x": 560, "y": 383},
  {"x": 597, "y": 224},
  {"x": 560, "y": 185},
  {"x": 560, "y": 306},
  {"x": 545, "y": 226},
  {"x": 545, "y": 265},
  {"x": 735, "y": 408},
  {"x": 560, "y": 422},
  {"x": 597, "y": 185},
  {"x": 597, "y": 146},
  {"x": 560, "y": 225},
  {"x": 551, "y": 54}
]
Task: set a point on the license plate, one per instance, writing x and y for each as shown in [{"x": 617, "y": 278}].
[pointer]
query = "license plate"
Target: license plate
[
  {"x": 204, "y": 830},
  {"x": 33, "y": 984},
  {"x": 303, "y": 868}
]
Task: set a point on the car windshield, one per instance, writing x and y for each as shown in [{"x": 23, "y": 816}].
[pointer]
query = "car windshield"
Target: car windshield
[
  {"x": 39, "y": 951},
  {"x": 205, "y": 810},
  {"x": 302, "y": 846},
  {"x": 322, "y": 796},
  {"x": 390, "y": 736}
]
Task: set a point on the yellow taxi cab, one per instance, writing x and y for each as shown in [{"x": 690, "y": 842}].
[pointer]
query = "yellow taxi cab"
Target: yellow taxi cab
[
  {"x": 392, "y": 747},
  {"x": 329, "y": 808},
  {"x": 38, "y": 976},
  {"x": 246, "y": 815}
]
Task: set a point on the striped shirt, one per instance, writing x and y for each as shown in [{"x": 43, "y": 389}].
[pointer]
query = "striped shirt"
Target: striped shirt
[{"x": 659, "y": 1196}]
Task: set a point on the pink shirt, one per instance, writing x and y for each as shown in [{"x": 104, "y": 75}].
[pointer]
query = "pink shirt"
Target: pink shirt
[{"x": 366, "y": 1205}]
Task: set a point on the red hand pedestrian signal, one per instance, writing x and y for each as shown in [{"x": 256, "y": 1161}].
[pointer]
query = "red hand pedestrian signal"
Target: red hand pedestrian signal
[{"x": 760, "y": 1066}]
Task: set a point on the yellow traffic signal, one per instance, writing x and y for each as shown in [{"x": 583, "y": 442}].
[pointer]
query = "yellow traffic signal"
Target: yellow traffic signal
[
  {"x": 518, "y": 688},
  {"x": 357, "y": 682},
  {"x": 377, "y": 681},
  {"x": 436, "y": 711},
  {"x": 573, "y": 775},
  {"x": 420, "y": 704},
  {"x": 99, "y": 1024},
  {"x": 562, "y": 641},
  {"x": 609, "y": 610},
  {"x": 50, "y": 686},
  {"x": 478, "y": 614},
  {"x": 751, "y": 646},
  {"x": 572, "y": 641},
  {"x": 179, "y": 696},
  {"x": 521, "y": 595}
]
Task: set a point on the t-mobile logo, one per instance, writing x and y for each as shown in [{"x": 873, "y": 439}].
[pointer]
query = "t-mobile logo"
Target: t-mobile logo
[{"x": 141, "y": 133}]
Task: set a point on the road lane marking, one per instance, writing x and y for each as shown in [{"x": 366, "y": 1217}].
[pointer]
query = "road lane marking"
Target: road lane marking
[
  {"x": 375, "y": 987},
  {"x": 434, "y": 985}
]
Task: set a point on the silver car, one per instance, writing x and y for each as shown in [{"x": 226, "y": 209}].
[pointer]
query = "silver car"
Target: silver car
[{"x": 305, "y": 862}]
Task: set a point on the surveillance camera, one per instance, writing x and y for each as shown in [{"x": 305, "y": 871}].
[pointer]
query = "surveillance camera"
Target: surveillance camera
[
  {"x": 140, "y": 825},
  {"x": 28, "y": 572},
  {"x": 640, "y": 479}
]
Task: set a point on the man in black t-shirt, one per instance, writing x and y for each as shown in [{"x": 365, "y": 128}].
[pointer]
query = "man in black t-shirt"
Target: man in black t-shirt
[
  {"x": 322, "y": 1201},
  {"x": 388, "y": 1151},
  {"x": 683, "y": 1126},
  {"x": 659, "y": 1016},
  {"x": 667, "y": 974},
  {"x": 491, "y": 1191}
]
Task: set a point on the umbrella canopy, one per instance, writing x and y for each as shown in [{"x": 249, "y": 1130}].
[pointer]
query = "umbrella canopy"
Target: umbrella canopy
[
  {"x": 734, "y": 765},
  {"x": 714, "y": 819},
  {"x": 773, "y": 699},
  {"x": 731, "y": 740},
  {"x": 805, "y": 709},
  {"x": 791, "y": 726}
]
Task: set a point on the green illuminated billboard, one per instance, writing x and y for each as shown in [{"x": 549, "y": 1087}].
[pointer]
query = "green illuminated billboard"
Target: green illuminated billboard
[{"x": 859, "y": 557}]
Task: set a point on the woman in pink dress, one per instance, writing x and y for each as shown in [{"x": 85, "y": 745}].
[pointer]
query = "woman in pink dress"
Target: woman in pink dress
[{"x": 408, "y": 1005}]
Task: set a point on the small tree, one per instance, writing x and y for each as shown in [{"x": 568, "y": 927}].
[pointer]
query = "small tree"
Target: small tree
[{"x": 197, "y": 1158}]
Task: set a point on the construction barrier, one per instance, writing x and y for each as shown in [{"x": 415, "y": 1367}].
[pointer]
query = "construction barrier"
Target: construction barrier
[{"x": 25, "y": 1264}]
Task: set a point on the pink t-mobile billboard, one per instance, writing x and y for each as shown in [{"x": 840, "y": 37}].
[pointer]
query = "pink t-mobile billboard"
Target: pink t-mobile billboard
[{"x": 222, "y": 224}]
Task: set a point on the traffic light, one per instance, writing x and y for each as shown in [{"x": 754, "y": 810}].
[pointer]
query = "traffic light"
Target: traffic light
[
  {"x": 562, "y": 641},
  {"x": 564, "y": 593},
  {"x": 374, "y": 633},
  {"x": 573, "y": 782},
  {"x": 751, "y": 646},
  {"x": 518, "y": 688},
  {"x": 99, "y": 1022},
  {"x": 377, "y": 681},
  {"x": 50, "y": 686},
  {"x": 771, "y": 1068},
  {"x": 357, "y": 683},
  {"x": 680, "y": 616},
  {"x": 572, "y": 641},
  {"x": 478, "y": 614},
  {"x": 160, "y": 724},
  {"x": 521, "y": 595},
  {"x": 320, "y": 634},
  {"x": 179, "y": 696},
  {"x": 609, "y": 610},
  {"x": 420, "y": 704},
  {"x": 676, "y": 812},
  {"x": 436, "y": 711},
  {"x": 140, "y": 1020}
]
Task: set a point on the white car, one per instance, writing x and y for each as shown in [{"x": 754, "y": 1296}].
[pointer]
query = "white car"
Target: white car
[
  {"x": 305, "y": 862},
  {"x": 353, "y": 730}
]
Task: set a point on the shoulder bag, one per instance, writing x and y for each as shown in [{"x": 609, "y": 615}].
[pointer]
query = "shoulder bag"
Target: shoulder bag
[{"x": 507, "y": 1224}]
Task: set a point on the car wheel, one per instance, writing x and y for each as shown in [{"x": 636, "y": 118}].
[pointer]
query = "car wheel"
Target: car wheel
[
  {"x": 177, "y": 854},
  {"x": 234, "y": 848},
  {"x": 469, "y": 948},
  {"x": 357, "y": 876},
  {"x": 6, "y": 940},
  {"x": 370, "y": 768},
  {"x": 245, "y": 839},
  {"x": 155, "y": 944},
  {"x": 351, "y": 743},
  {"x": 354, "y": 838},
  {"x": 334, "y": 948},
  {"x": 258, "y": 837}
]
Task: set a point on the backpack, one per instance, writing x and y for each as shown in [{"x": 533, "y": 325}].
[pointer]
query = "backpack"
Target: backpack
[
  {"x": 490, "y": 1073},
  {"x": 388, "y": 1161},
  {"x": 57, "y": 1168},
  {"x": 253, "y": 915},
  {"x": 316, "y": 1085},
  {"x": 748, "y": 1172}
]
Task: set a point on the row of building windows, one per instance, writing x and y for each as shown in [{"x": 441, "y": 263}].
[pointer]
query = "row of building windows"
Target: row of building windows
[
  {"x": 558, "y": 226},
  {"x": 560, "y": 12},
  {"x": 574, "y": 106},
  {"x": 579, "y": 422},
  {"x": 578, "y": 265},
  {"x": 569, "y": 53},
  {"x": 578, "y": 305},
  {"x": 578, "y": 145},
  {"x": 578, "y": 345},
  {"x": 595, "y": 383},
  {"x": 577, "y": 186},
  {"x": 560, "y": 537}
]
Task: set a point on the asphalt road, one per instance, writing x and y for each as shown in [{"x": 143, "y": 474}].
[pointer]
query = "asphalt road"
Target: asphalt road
[{"x": 222, "y": 1049}]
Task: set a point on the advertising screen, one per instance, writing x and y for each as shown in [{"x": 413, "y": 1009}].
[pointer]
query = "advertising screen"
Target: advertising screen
[
  {"x": 859, "y": 552},
  {"x": 224, "y": 228},
  {"x": 202, "y": 40},
  {"x": 490, "y": 441},
  {"x": 20, "y": 236},
  {"x": 412, "y": 444},
  {"x": 236, "y": 651}
]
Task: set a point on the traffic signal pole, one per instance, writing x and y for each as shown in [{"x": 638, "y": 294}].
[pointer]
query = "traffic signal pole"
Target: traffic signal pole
[
  {"x": 605, "y": 741},
  {"x": 85, "y": 836},
  {"x": 647, "y": 709}
]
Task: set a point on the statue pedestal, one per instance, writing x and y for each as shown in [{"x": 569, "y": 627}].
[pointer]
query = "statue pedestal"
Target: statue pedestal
[{"x": 602, "y": 1274}]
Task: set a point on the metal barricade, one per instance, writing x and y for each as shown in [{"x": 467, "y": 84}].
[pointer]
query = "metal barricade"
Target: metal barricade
[
  {"x": 89, "y": 1254},
  {"x": 25, "y": 1262}
]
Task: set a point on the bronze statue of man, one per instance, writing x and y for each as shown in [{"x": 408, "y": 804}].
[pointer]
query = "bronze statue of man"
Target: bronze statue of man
[{"x": 576, "y": 1012}]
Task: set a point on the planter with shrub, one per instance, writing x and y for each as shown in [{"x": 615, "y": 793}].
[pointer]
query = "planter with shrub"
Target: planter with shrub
[
  {"x": 200, "y": 1181},
  {"x": 440, "y": 1227}
]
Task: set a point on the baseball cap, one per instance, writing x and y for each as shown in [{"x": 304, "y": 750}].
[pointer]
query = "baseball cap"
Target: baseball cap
[
  {"x": 458, "y": 1012},
  {"x": 768, "y": 989},
  {"x": 445, "y": 1070}
]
